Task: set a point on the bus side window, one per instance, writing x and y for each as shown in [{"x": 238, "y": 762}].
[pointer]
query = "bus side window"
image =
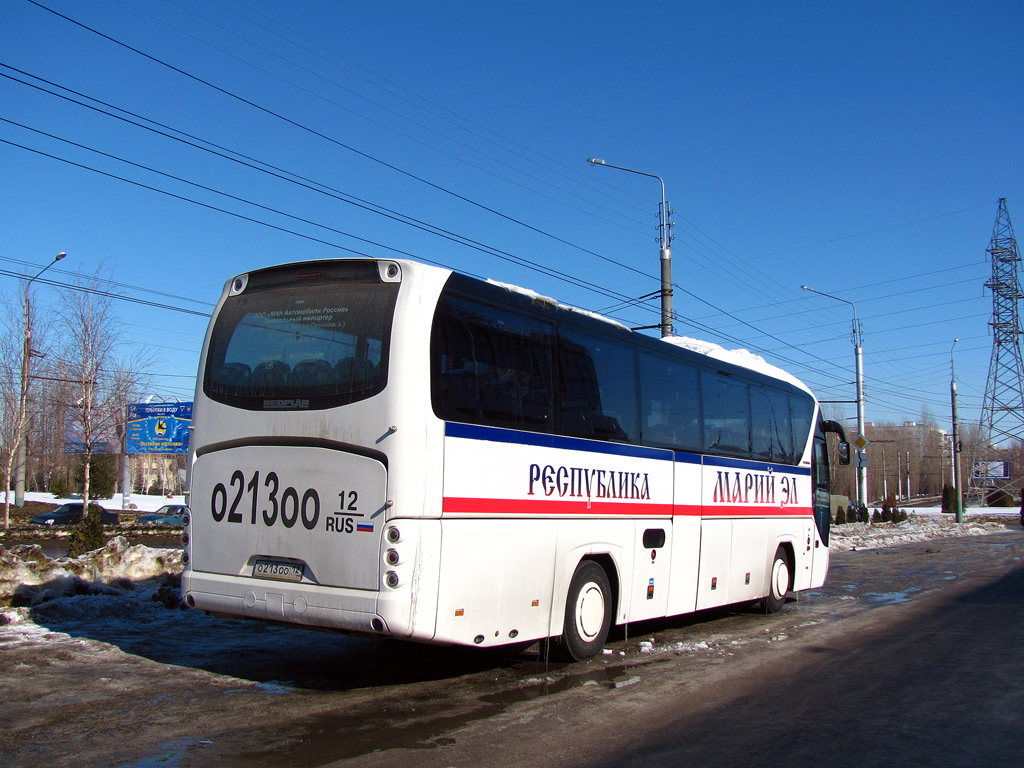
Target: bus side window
[
  {"x": 771, "y": 424},
  {"x": 670, "y": 403},
  {"x": 491, "y": 366},
  {"x": 598, "y": 394},
  {"x": 726, "y": 414}
]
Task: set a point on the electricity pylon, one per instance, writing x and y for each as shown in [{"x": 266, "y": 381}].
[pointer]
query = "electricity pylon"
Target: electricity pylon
[{"x": 1002, "y": 415}]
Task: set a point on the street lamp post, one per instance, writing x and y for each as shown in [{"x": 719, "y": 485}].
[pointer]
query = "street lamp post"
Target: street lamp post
[
  {"x": 665, "y": 243},
  {"x": 22, "y": 458},
  {"x": 956, "y": 438},
  {"x": 862, "y": 468}
]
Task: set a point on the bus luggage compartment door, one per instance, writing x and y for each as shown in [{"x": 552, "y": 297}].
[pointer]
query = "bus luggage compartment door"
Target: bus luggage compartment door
[{"x": 297, "y": 514}]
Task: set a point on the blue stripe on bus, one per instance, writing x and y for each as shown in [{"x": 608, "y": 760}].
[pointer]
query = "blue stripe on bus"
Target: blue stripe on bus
[
  {"x": 516, "y": 437},
  {"x": 500, "y": 435}
]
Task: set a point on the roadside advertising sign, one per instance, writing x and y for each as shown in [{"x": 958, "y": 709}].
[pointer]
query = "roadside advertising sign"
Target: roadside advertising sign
[{"x": 158, "y": 427}]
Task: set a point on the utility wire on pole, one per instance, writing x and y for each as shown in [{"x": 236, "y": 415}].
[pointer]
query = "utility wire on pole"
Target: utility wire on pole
[
  {"x": 957, "y": 483},
  {"x": 665, "y": 246},
  {"x": 1002, "y": 416},
  {"x": 26, "y": 364},
  {"x": 861, "y": 441}
]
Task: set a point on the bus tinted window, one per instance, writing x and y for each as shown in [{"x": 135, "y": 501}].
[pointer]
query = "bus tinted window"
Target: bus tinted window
[
  {"x": 325, "y": 344},
  {"x": 491, "y": 366},
  {"x": 670, "y": 403},
  {"x": 771, "y": 425},
  {"x": 726, "y": 414},
  {"x": 597, "y": 380},
  {"x": 803, "y": 412},
  {"x": 504, "y": 365}
]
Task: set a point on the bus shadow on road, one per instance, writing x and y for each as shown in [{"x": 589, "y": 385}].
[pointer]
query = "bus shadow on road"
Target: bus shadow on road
[{"x": 146, "y": 619}]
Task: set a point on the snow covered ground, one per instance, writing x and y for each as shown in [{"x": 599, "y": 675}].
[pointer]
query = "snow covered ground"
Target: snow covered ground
[
  {"x": 925, "y": 523},
  {"x": 136, "y": 501}
]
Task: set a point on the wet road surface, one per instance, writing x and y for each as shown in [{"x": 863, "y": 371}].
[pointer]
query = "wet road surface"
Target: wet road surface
[{"x": 909, "y": 655}]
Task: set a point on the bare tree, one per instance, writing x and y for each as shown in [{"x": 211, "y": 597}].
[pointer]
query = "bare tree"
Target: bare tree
[{"x": 104, "y": 376}]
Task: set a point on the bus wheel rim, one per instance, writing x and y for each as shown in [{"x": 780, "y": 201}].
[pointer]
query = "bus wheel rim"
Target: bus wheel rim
[
  {"x": 780, "y": 578},
  {"x": 590, "y": 608}
]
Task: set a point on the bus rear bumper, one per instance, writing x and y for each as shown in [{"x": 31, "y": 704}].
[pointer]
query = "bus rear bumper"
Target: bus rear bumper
[{"x": 304, "y": 605}]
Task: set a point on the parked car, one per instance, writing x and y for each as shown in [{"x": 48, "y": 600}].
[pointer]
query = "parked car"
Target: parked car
[
  {"x": 168, "y": 514},
  {"x": 71, "y": 514}
]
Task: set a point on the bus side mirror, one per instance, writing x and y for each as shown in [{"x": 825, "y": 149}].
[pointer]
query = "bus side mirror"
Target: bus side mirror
[{"x": 844, "y": 453}]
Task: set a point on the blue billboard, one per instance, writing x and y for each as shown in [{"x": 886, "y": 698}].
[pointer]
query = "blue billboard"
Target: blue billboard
[{"x": 158, "y": 427}]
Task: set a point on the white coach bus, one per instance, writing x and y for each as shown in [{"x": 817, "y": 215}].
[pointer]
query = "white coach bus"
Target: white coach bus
[{"x": 392, "y": 448}]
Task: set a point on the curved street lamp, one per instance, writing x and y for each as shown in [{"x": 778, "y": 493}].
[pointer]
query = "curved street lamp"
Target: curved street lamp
[
  {"x": 22, "y": 458},
  {"x": 665, "y": 242},
  {"x": 862, "y": 469}
]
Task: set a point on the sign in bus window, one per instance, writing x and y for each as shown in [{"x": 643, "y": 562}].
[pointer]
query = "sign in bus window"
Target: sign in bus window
[{"x": 313, "y": 345}]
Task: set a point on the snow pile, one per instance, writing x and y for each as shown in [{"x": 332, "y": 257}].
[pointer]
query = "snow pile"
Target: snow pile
[
  {"x": 741, "y": 357},
  {"x": 920, "y": 527},
  {"x": 28, "y": 577}
]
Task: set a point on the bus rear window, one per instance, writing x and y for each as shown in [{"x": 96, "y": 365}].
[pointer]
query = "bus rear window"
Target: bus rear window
[{"x": 301, "y": 345}]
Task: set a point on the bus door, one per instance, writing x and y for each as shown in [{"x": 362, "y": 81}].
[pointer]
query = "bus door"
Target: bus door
[
  {"x": 686, "y": 534},
  {"x": 819, "y": 535},
  {"x": 652, "y": 559},
  {"x": 654, "y": 542}
]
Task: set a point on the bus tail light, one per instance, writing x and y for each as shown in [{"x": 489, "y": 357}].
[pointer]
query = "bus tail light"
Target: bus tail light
[
  {"x": 392, "y": 557},
  {"x": 391, "y": 579},
  {"x": 393, "y": 535}
]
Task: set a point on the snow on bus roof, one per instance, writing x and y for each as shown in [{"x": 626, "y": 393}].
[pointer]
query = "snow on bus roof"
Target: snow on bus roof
[
  {"x": 741, "y": 357},
  {"x": 540, "y": 298}
]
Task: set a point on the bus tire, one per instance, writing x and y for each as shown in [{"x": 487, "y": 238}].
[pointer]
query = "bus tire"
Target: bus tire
[
  {"x": 588, "y": 613},
  {"x": 778, "y": 582}
]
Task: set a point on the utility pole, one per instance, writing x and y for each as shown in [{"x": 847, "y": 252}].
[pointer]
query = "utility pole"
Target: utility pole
[
  {"x": 665, "y": 246},
  {"x": 26, "y": 364},
  {"x": 908, "y": 474},
  {"x": 956, "y": 438},
  {"x": 861, "y": 441}
]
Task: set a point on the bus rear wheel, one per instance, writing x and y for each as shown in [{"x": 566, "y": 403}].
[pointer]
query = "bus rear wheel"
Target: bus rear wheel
[
  {"x": 778, "y": 582},
  {"x": 588, "y": 613}
]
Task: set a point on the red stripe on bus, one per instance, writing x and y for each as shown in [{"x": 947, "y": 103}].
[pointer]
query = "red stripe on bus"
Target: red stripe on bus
[
  {"x": 460, "y": 506},
  {"x": 736, "y": 510},
  {"x": 468, "y": 506}
]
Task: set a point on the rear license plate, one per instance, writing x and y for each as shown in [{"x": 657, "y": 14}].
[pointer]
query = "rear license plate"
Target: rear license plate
[{"x": 275, "y": 569}]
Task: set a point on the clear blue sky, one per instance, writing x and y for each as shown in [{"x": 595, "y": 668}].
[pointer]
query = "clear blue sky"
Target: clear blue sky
[{"x": 860, "y": 148}]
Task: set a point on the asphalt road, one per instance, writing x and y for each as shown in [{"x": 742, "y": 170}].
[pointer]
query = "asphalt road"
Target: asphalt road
[{"x": 909, "y": 656}]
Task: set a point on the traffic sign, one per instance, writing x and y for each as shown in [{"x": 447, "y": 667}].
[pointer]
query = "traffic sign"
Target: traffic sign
[{"x": 861, "y": 442}]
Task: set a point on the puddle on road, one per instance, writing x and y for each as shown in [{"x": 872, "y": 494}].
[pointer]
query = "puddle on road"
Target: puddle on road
[
  {"x": 889, "y": 598},
  {"x": 421, "y": 723},
  {"x": 612, "y": 678}
]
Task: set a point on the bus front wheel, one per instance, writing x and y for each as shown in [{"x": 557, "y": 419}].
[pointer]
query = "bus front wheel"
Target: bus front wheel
[
  {"x": 588, "y": 613},
  {"x": 778, "y": 582}
]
